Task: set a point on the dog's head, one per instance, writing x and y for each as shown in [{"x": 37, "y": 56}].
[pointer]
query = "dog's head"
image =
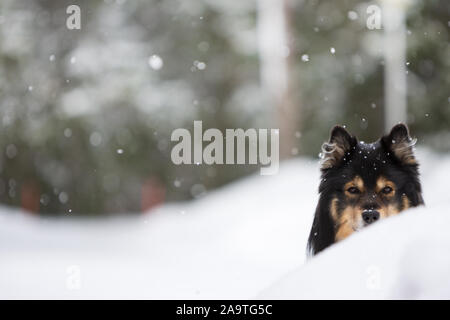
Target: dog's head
[{"x": 366, "y": 182}]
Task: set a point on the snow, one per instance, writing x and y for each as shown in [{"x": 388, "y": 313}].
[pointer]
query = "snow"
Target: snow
[
  {"x": 229, "y": 244},
  {"x": 406, "y": 257},
  {"x": 243, "y": 241}
]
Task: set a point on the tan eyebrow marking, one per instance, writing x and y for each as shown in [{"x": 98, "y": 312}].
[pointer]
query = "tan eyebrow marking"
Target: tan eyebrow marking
[
  {"x": 356, "y": 182},
  {"x": 382, "y": 182}
]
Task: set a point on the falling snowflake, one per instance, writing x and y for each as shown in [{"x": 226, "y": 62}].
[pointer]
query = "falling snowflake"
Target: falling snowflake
[
  {"x": 95, "y": 139},
  {"x": 352, "y": 15},
  {"x": 67, "y": 132},
  {"x": 63, "y": 197},
  {"x": 11, "y": 151},
  {"x": 45, "y": 199},
  {"x": 155, "y": 62},
  {"x": 199, "y": 65}
]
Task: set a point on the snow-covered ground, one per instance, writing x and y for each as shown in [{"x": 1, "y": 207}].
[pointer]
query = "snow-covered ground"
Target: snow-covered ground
[
  {"x": 407, "y": 257},
  {"x": 246, "y": 240}
]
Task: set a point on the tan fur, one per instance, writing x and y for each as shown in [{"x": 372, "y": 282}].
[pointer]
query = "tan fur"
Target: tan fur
[
  {"x": 332, "y": 154},
  {"x": 405, "y": 202},
  {"x": 333, "y": 209},
  {"x": 346, "y": 226},
  {"x": 390, "y": 210},
  {"x": 356, "y": 182},
  {"x": 382, "y": 182},
  {"x": 404, "y": 151}
]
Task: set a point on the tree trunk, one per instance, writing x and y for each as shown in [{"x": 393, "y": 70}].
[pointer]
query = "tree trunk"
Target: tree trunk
[
  {"x": 395, "y": 62},
  {"x": 275, "y": 70}
]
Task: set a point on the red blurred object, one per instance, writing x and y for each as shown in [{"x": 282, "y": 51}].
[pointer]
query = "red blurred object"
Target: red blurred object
[
  {"x": 30, "y": 197},
  {"x": 153, "y": 194}
]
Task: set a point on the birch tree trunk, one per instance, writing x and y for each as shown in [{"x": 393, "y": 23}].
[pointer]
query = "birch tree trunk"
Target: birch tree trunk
[
  {"x": 275, "y": 67},
  {"x": 395, "y": 62}
]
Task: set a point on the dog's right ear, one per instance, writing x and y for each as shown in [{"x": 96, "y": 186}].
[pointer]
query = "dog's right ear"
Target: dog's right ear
[{"x": 335, "y": 149}]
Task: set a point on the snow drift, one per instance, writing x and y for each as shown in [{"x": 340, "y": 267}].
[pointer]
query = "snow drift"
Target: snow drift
[
  {"x": 405, "y": 257},
  {"x": 235, "y": 243}
]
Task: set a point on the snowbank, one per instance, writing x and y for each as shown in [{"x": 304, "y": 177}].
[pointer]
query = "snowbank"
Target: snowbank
[
  {"x": 231, "y": 244},
  {"x": 406, "y": 257}
]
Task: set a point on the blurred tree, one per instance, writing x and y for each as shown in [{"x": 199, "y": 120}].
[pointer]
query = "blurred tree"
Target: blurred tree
[
  {"x": 86, "y": 115},
  {"x": 274, "y": 35},
  {"x": 394, "y": 62}
]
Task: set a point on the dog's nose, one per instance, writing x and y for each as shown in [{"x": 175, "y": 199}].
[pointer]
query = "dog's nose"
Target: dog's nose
[{"x": 370, "y": 216}]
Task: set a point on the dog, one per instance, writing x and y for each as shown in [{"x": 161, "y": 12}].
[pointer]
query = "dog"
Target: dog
[{"x": 362, "y": 183}]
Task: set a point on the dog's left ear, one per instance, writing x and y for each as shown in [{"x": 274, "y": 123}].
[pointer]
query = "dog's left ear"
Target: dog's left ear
[{"x": 400, "y": 143}]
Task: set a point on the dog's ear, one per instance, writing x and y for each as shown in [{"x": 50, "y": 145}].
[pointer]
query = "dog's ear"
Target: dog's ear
[
  {"x": 400, "y": 144},
  {"x": 335, "y": 149}
]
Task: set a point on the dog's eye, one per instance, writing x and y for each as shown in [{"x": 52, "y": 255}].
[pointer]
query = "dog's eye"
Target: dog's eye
[
  {"x": 387, "y": 190},
  {"x": 353, "y": 190}
]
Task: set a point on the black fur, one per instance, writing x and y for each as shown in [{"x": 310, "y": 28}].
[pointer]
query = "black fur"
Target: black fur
[{"x": 391, "y": 156}]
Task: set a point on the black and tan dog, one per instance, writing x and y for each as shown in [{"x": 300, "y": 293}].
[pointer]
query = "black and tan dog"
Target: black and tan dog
[{"x": 362, "y": 183}]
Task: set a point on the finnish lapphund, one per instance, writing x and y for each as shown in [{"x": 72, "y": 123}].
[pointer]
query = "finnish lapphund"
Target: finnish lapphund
[{"x": 362, "y": 183}]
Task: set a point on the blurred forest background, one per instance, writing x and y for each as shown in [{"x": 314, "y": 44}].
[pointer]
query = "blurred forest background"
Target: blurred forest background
[{"x": 86, "y": 115}]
